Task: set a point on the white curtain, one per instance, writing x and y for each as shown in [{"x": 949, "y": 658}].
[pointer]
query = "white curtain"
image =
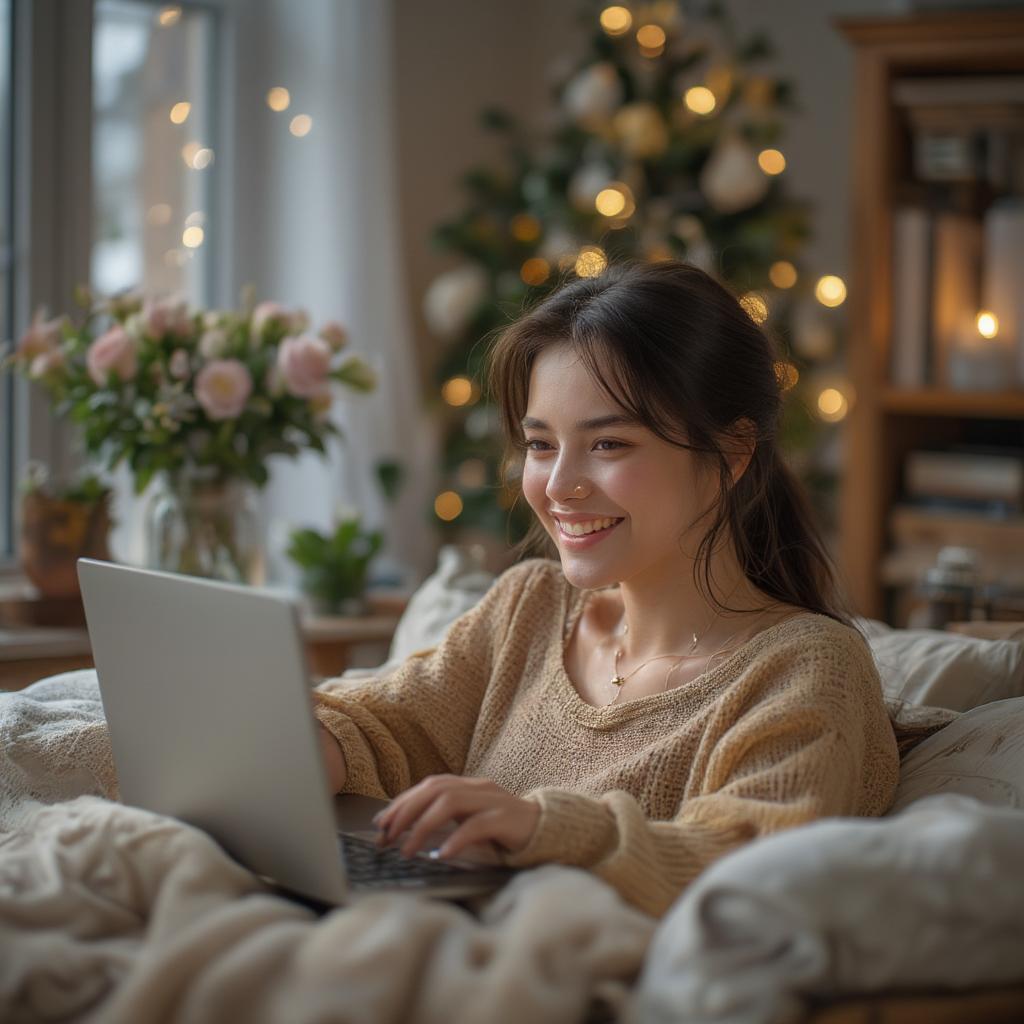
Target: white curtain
[{"x": 312, "y": 222}]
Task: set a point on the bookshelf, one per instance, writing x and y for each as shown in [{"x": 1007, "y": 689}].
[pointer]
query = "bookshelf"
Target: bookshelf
[{"x": 922, "y": 74}]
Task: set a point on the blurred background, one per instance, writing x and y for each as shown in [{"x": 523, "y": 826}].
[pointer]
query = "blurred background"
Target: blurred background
[{"x": 386, "y": 183}]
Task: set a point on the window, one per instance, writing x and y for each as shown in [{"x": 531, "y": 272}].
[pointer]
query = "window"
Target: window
[
  {"x": 7, "y": 481},
  {"x": 153, "y": 149}
]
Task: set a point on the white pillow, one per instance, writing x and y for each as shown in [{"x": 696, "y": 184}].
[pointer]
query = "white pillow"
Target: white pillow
[
  {"x": 945, "y": 670},
  {"x": 980, "y": 755}
]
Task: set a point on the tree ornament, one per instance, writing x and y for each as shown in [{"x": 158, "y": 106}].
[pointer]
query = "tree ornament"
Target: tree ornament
[
  {"x": 731, "y": 179},
  {"x": 452, "y": 298},
  {"x": 594, "y": 94}
]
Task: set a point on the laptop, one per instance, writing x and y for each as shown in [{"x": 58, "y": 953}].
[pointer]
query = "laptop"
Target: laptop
[{"x": 207, "y": 699}]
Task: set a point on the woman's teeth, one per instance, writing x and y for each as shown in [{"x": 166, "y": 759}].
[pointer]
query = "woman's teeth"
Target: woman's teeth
[{"x": 581, "y": 529}]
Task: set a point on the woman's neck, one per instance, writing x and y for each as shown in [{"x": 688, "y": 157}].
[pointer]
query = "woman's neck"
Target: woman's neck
[{"x": 663, "y": 609}]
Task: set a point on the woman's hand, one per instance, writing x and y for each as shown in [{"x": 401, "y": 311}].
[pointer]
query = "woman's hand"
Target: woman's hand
[{"x": 483, "y": 811}]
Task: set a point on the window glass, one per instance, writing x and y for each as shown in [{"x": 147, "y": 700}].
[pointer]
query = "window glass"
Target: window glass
[{"x": 154, "y": 150}]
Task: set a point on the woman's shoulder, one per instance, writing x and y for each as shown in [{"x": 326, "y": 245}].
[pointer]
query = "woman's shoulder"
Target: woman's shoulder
[{"x": 539, "y": 578}]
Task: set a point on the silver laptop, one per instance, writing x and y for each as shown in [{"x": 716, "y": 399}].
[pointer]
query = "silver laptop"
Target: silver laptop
[{"x": 207, "y": 699}]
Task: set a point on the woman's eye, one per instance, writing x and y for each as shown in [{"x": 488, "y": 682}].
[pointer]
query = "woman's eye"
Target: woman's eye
[
  {"x": 534, "y": 445},
  {"x": 612, "y": 445}
]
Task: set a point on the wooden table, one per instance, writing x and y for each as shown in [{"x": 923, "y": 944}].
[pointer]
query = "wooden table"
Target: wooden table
[{"x": 29, "y": 654}]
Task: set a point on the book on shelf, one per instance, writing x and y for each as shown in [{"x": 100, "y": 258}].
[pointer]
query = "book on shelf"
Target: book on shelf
[
  {"x": 911, "y": 296},
  {"x": 955, "y": 291},
  {"x": 971, "y": 476}
]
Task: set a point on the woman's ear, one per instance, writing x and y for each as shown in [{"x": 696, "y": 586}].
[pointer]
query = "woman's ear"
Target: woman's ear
[{"x": 738, "y": 447}]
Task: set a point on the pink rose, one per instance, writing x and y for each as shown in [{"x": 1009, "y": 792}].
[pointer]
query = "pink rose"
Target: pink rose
[
  {"x": 335, "y": 335},
  {"x": 267, "y": 313},
  {"x": 42, "y": 336},
  {"x": 178, "y": 366},
  {"x": 222, "y": 388},
  {"x": 113, "y": 352},
  {"x": 46, "y": 363},
  {"x": 166, "y": 316},
  {"x": 304, "y": 363}
]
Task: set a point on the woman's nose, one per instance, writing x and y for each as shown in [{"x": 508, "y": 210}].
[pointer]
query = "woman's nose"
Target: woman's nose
[{"x": 566, "y": 482}]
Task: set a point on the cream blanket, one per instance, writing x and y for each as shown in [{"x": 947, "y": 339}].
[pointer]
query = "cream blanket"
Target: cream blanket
[{"x": 109, "y": 913}]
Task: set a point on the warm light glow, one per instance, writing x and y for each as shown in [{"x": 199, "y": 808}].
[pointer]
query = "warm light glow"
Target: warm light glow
[
  {"x": 447, "y": 506},
  {"x": 535, "y": 271},
  {"x": 279, "y": 98},
  {"x": 180, "y": 112},
  {"x": 188, "y": 152},
  {"x": 616, "y": 21},
  {"x": 771, "y": 161},
  {"x": 170, "y": 15},
  {"x": 202, "y": 159},
  {"x": 610, "y": 202},
  {"x": 700, "y": 99},
  {"x": 987, "y": 324},
  {"x": 591, "y": 261},
  {"x": 195, "y": 219},
  {"x": 525, "y": 227},
  {"x": 830, "y": 290},
  {"x": 659, "y": 253},
  {"x": 457, "y": 391},
  {"x": 782, "y": 274},
  {"x": 756, "y": 307},
  {"x": 192, "y": 237},
  {"x": 832, "y": 405},
  {"x": 786, "y": 374},
  {"x": 159, "y": 214},
  {"x": 651, "y": 37},
  {"x": 301, "y": 125}
]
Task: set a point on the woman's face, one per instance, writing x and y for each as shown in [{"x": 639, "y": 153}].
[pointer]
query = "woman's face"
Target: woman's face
[{"x": 637, "y": 495}]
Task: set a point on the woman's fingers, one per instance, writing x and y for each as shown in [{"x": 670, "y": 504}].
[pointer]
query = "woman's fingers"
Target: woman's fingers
[
  {"x": 407, "y": 807},
  {"x": 483, "y": 827},
  {"x": 453, "y": 805}
]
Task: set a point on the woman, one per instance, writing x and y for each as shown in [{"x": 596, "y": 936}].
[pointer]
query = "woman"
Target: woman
[{"x": 681, "y": 680}]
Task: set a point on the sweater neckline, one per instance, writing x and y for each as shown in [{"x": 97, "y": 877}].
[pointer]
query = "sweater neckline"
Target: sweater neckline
[{"x": 573, "y": 601}]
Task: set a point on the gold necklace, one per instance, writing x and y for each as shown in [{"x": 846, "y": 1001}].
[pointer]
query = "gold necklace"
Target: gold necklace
[{"x": 619, "y": 680}]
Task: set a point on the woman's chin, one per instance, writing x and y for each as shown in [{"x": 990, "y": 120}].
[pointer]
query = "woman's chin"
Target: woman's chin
[{"x": 586, "y": 574}]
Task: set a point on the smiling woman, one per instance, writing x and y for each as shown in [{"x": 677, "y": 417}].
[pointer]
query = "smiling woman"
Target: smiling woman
[{"x": 679, "y": 678}]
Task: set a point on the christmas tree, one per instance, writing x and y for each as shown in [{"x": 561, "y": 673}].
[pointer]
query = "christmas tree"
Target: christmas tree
[{"x": 663, "y": 144}]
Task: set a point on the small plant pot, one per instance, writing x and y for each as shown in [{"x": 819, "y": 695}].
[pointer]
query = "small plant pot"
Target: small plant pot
[{"x": 54, "y": 534}]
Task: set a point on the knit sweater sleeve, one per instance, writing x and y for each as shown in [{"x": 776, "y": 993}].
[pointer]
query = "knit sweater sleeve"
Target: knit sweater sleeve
[
  {"x": 805, "y": 737},
  {"x": 418, "y": 720}
]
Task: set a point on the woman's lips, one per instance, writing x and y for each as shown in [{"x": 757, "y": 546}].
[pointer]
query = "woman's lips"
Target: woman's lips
[{"x": 585, "y": 540}]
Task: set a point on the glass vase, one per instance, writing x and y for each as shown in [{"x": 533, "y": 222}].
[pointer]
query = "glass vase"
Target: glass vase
[{"x": 207, "y": 526}]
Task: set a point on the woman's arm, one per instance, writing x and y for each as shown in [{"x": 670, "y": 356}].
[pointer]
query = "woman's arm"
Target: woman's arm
[
  {"x": 394, "y": 731},
  {"x": 334, "y": 759}
]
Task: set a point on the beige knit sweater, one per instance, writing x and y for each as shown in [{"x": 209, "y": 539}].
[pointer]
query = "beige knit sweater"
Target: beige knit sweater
[{"x": 645, "y": 793}]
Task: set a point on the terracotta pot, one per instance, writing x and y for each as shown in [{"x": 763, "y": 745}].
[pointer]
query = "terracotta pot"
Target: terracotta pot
[{"x": 55, "y": 534}]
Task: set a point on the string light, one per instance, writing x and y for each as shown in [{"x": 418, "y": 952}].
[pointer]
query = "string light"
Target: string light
[
  {"x": 279, "y": 98},
  {"x": 192, "y": 237},
  {"x": 535, "y": 271},
  {"x": 525, "y": 227},
  {"x": 458, "y": 391},
  {"x": 786, "y": 374},
  {"x": 610, "y": 202},
  {"x": 700, "y": 99},
  {"x": 616, "y": 20},
  {"x": 180, "y": 112},
  {"x": 447, "y": 506},
  {"x": 987, "y": 324},
  {"x": 832, "y": 405},
  {"x": 782, "y": 274},
  {"x": 170, "y": 15},
  {"x": 771, "y": 161},
  {"x": 830, "y": 290},
  {"x": 756, "y": 307},
  {"x": 202, "y": 159},
  {"x": 651, "y": 40},
  {"x": 301, "y": 125},
  {"x": 591, "y": 261}
]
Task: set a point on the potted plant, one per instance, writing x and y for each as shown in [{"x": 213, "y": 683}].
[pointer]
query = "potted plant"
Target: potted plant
[
  {"x": 59, "y": 525},
  {"x": 334, "y": 565}
]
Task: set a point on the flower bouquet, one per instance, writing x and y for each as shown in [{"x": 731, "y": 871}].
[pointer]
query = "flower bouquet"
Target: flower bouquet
[{"x": 201, "y": 399}]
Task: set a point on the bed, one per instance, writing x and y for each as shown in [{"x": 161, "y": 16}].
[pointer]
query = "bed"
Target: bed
[{"x": 109, "y": 913}]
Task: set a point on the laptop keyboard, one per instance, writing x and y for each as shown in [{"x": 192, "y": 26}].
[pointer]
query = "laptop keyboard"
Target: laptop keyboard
[{"x": 368, "y": 864}]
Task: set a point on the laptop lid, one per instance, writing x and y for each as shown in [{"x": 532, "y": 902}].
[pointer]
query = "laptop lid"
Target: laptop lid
[{"x": 207, "y": 699}]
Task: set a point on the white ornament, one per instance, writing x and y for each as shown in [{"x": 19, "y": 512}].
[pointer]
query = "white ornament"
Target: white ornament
[
  {"x": 586, "y": 183},
  {"x": 731, "y": 179},
  {"x": 452, "y": 298},
  {"x": 556, "y": 244},
  {"x": 594, "y": 94}
]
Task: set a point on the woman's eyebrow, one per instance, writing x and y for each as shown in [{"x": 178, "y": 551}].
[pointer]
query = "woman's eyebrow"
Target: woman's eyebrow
[{"x": 613, "y": 420}]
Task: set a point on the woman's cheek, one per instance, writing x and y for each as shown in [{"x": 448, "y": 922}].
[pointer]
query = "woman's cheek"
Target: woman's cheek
[{"x": 535, "y": 482}]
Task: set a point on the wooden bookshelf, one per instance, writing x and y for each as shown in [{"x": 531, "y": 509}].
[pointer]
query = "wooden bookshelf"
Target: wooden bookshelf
[{"x": 887, "y": 422}]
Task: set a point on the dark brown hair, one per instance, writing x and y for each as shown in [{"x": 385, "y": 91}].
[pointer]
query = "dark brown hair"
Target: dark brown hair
[{"x": 678, "y": 353}]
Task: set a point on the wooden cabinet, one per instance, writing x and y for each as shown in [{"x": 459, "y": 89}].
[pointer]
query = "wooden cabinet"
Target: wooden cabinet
[{"x": 887, "y": 422}]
